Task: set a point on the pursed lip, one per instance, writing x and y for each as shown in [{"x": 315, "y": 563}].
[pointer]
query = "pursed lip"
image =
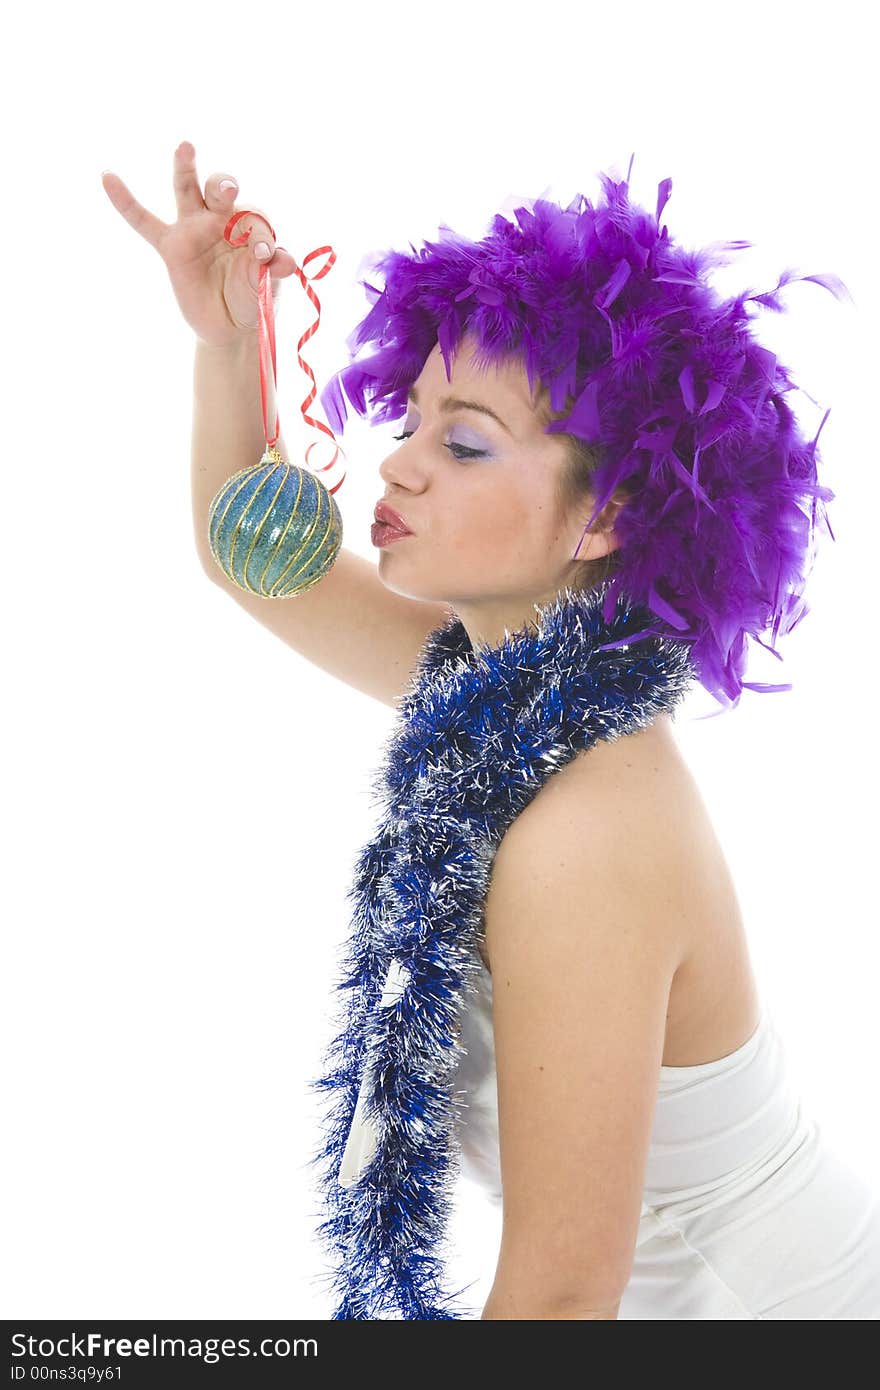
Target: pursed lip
[{"x": 387, "y": 516}]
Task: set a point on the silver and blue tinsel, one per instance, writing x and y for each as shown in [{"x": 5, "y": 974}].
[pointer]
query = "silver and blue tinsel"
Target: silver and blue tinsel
[{"x": 477, "y": 734}]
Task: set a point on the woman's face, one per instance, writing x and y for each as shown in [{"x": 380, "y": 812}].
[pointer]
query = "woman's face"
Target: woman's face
[{"x": 490, "y": 537}]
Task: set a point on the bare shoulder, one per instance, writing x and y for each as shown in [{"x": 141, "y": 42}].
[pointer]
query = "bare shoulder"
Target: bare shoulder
[
  {"x": 631, "y": 802},
  {"x": 648, "y": 755},
  {"x": 638, "y": 782},
  {"x": 623, "y": 829}
]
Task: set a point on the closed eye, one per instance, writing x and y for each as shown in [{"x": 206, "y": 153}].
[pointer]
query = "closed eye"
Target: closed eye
[{"x": 459, "y": 451}]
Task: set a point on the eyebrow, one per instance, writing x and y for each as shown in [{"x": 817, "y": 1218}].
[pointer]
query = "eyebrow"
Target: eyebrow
[{"x": 450, "y": 403}]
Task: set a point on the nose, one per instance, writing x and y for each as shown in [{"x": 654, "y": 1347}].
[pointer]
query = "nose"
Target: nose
[{"x": 402, "y": 469}]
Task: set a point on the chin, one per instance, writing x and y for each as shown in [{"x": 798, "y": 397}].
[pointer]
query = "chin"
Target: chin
[{"x": 406, "y": 589}]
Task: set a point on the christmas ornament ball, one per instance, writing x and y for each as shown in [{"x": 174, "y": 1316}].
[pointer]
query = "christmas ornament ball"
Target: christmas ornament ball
[{"x": 274, "y": 529}]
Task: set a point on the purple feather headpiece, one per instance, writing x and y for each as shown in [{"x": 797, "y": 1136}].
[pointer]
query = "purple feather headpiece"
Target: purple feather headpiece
[{"x": 659, "y": 374}]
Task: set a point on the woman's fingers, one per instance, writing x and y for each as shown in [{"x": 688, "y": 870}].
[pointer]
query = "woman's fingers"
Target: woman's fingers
[
  {"x": 187, "y": 193},
  {"x": 151, "y": 228},
  {"x": 283, "y": 263},
  {"x": 256, "y": 224},
  {"x": 260, "y": 243}
]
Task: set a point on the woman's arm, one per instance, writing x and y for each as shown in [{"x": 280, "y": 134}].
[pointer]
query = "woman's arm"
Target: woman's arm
[
  {"x": 501, "y": 1307},
  {"x": 350, "y": 624},
  {"x": 583, "y": 934}
]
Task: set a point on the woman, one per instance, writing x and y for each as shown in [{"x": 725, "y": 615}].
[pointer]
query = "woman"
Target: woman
[{"x": 549, "y": 977}]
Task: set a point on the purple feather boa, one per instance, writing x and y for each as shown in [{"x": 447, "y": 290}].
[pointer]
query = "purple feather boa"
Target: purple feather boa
[{"x": 655, "y": 370}]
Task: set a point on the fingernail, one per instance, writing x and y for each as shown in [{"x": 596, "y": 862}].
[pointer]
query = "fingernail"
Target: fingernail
[
  {"x": 227, "y": 183},
  {"x": 262, "y": 250}
]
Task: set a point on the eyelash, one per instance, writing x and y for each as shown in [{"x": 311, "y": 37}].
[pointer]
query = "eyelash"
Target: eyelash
[{"x": 462, "y": 457}]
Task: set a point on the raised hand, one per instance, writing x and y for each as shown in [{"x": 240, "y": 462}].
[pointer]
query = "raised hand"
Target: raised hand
[{"x": 216, "y": 285}]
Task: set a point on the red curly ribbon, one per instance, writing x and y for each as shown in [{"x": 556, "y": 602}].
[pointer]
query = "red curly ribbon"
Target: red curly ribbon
[{"x": 266, "y": 337}]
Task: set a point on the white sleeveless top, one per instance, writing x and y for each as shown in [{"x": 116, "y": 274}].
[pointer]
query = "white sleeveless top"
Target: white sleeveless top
[{"x": 746, "y": 1210}]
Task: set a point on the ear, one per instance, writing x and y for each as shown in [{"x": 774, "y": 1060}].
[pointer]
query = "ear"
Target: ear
[{"x": 600, "y": 539}]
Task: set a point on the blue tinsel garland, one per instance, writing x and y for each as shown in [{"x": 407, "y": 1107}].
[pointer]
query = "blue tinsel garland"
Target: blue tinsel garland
[{"x": 477, "y": 735}]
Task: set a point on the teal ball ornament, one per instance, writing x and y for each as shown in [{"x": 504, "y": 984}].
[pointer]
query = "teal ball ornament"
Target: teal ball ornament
[{"x": 274, "y": 529}]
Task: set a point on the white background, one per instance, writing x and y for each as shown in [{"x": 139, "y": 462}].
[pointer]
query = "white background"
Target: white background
[{"x": 185, "y": 794}]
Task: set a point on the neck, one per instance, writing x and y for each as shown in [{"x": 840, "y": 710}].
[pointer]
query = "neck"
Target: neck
[{"x": 487, "y": 623}]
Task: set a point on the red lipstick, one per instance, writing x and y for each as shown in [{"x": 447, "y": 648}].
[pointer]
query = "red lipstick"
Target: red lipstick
[{"x": 389, "y": 525}]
